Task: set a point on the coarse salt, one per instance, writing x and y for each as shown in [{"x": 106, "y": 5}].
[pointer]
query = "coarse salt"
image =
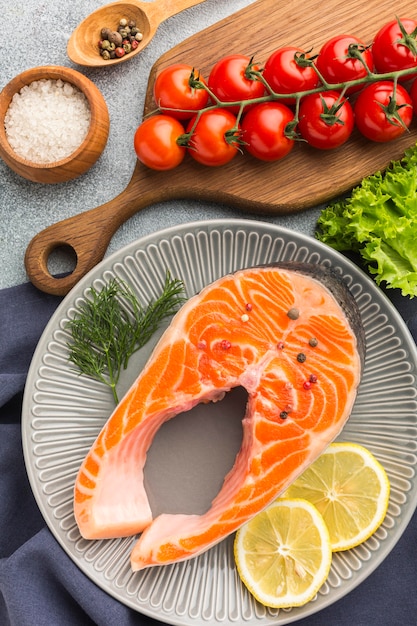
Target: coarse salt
[{"x": 47, "y": 120}]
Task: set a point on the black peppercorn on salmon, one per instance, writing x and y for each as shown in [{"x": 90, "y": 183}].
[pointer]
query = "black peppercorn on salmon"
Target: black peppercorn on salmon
[{"x": 291, "y": 335}]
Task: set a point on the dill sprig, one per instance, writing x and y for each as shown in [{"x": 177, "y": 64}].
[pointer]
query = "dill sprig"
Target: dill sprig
[{"x": 111, "y": 325}]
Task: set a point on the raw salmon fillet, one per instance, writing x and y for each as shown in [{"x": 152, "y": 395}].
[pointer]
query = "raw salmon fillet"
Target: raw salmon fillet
[{"x": 291, "y": 335}]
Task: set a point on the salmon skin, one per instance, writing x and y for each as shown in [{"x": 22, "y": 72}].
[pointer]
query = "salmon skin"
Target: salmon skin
[{"x": 291, "y": 335}]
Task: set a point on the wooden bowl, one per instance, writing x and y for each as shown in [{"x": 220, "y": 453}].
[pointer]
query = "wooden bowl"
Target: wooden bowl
[{"x": 89, "y": 150}]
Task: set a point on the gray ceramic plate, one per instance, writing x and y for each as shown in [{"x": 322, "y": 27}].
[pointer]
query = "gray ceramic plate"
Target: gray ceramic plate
[{"x": 63, "y": 412}]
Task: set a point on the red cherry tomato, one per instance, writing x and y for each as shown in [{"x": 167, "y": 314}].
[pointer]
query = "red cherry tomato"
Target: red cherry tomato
[
  {"x": 394, "y": 47},
  {"x": 263, "y": 131},
  {"x": 230, "y": 80},
  {"x": 174, "y": 89},
  {"x": 338, "y": 60},
  {"x": 326, "y": 120},
  {"x": 287, "y": 70},
  {"x": 156, "y": 142},
  {"x": 215, "y": 138},
  {"x": 413, "y": 95},
  {"x": 382, "y": 113}
]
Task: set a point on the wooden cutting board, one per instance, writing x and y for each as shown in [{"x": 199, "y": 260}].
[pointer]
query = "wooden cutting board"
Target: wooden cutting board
[{"x": 306, "y": 177}]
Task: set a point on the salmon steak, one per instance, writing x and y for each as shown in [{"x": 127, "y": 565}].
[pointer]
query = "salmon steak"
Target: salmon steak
[{"x": 291, "y": 335}]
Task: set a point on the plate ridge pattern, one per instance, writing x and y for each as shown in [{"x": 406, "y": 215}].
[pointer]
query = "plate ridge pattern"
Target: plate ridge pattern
[{"x": 63, "y": 412}]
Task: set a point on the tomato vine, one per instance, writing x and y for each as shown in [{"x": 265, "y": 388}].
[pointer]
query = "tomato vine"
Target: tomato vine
[{"x": 237, "y": 85}]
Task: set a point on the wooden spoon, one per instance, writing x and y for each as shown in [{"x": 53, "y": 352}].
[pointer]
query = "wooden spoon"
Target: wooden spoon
[{"x": 83, "y": 44}]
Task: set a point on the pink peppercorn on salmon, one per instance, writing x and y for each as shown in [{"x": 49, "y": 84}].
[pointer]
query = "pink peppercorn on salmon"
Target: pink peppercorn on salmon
[{"x": 291, "y": 335}]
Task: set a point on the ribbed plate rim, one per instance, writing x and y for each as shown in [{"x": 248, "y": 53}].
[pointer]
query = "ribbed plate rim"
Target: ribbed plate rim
[{"x": 181, "y": 231}]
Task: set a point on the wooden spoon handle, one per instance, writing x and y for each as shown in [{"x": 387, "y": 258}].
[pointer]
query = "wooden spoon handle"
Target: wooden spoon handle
[
  {"x": 161, "y": 10},
  {"x": 88, "y": 234}
]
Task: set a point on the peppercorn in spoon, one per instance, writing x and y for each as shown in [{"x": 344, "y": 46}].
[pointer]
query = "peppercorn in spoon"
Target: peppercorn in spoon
[{"x": 84, "y": 48}]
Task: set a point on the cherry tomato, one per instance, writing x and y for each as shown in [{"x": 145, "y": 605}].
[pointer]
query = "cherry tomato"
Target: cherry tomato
[
  {"x": 288, "y": 70},
  {"x": 174, "y": 88},
  {"x": 383, "y": 111},
  {"x": 215, "y": 138},
  {"x": 229, "y": 80},
  {"x": 413, "y": 95},
  {"x": 263, "y": 131},
  {"x": 326, "y": 120},
  {"x": 156, "y": 142},
  {"x": 394, "y": 47},
  {"x": 338, "y": 60}
]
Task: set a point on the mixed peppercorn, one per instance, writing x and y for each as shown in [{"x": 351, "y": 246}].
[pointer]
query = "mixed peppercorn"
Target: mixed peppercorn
[
  {"x": 293, "y": 313},
  {"x": 117, "y": 43}
]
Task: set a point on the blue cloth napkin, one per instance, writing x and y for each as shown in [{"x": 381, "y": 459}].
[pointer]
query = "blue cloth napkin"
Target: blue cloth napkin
[{"x": 41, "y": 586}]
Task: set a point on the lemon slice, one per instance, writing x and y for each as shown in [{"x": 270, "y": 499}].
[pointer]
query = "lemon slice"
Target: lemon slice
[
  {"x": 350, "y": 489},
  {"x": 283, "y": 554}
]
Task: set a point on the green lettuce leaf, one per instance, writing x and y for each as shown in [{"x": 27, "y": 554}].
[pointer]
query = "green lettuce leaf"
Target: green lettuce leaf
[{"x": 379, "y": 221}]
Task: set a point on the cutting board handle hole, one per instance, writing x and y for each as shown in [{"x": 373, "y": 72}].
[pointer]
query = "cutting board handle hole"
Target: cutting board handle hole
[{"x": 62, "y": 260}]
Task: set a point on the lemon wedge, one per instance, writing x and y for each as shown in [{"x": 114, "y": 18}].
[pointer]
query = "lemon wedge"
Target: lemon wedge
[
  {"x": 283, "y": 554},
  {"x": 350, "y": 488}
]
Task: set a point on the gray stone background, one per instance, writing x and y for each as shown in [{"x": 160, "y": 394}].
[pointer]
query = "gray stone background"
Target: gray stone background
[{"x": 37, "y": 34}]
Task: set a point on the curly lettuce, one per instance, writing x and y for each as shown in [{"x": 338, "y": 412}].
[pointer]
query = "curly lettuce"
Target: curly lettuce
[{"x": 379, "y": 221}]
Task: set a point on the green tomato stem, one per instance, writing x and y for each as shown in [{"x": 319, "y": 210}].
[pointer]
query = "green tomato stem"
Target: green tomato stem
[
  {"x": 372, "y": 77},
  {"x": 272, "y": 96}
]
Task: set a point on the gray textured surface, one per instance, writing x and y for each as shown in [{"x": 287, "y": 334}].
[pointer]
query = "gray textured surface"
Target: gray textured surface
[{"x": 39, "y": 31}]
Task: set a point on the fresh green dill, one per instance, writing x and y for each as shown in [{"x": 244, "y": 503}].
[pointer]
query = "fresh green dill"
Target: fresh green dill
[{"x": 111, "y": 325}]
